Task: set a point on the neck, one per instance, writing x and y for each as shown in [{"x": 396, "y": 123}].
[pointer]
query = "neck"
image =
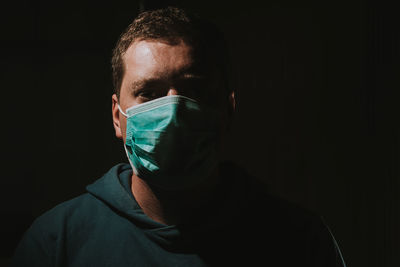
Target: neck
[{"x": 175, "y": 207}]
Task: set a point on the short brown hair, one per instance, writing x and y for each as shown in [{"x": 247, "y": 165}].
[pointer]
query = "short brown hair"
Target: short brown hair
[{"x": 172, "y": 24}]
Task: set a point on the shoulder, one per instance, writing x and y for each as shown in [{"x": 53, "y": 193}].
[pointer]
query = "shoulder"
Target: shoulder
[
  {"x": 282, "y": 214},
  {"x": 48, "y": 231},
  {"x": 289, "y": 228},
  {"x": 68, "y": 215},
  {"x": 257, "y": 197},
  {"x": 68, "y": 211},
  {"x": 260, "y": 197}
]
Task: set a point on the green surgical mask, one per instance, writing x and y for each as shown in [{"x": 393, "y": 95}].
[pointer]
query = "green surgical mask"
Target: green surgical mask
[{"x": 172, "y": 141}]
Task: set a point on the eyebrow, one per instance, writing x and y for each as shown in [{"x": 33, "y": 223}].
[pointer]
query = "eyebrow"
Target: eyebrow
[{"x": 145, "y": 82}]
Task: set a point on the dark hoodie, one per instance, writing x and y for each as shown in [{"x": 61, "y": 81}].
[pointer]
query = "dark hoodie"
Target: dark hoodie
[{"x": 106, "y": 227}]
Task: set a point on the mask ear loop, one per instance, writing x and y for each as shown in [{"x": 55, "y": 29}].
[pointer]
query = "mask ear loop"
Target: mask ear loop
[
  {"x": 126, "y": 150},
  {"x": 120, "y": 110}
]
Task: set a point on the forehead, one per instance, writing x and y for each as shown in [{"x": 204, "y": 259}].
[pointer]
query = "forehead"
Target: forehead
[{"x": 154, "y": 57}]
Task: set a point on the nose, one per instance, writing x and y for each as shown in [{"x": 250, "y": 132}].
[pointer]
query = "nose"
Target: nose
[{"x": 172, "y": 91}]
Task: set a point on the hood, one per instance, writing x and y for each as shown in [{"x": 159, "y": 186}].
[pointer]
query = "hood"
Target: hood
[{"x": 114, "y": 190}]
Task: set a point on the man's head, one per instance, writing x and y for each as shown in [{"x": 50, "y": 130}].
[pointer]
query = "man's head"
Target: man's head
[{"x": 168, "y": 51}]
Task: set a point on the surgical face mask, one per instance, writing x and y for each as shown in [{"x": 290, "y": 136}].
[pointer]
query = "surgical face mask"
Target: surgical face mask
[{"x": 172, "y": 141}]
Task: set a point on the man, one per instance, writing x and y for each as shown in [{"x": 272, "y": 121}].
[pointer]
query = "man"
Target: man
[{"x": 175, "y": 204}]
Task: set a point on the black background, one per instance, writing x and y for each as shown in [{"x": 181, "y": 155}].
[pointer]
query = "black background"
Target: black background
[{"x": 318, "y": 92}]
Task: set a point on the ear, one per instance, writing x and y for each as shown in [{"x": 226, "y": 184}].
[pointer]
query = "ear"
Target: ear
[
  {"x": 232, "y": 102},
  {"x": 116, "y": 117},
  {"x": 231, "y": 110}
]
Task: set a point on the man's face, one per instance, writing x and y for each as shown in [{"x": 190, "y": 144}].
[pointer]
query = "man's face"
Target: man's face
[{"x": 155, "y": 69}]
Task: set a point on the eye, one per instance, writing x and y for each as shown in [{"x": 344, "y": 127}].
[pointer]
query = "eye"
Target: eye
[
  {"x": 146, "y": 95},
  {"x": 192, "y": 88}
]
